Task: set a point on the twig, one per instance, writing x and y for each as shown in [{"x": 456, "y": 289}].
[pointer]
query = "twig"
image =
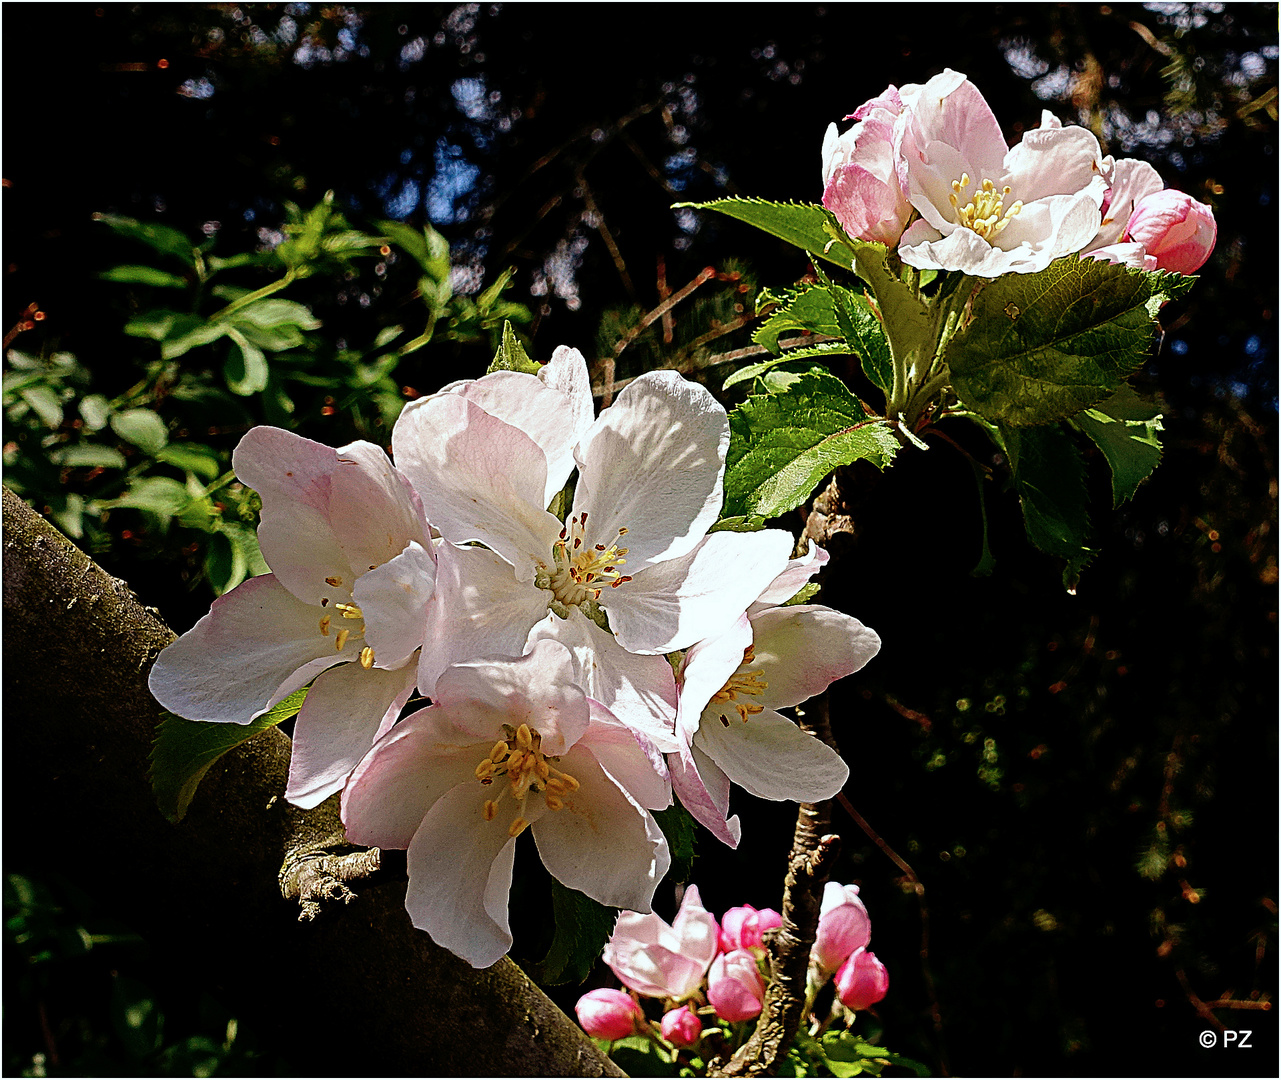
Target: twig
[{"x": 599, "y": 220}]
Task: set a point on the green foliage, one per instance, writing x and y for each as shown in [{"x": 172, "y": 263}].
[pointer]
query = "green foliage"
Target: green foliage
[
  {"x": 582, "y": 928},
  {"x": 682, "y": 835},
  {"x": 1042, "y": 347},
  {"x": 1125, "y": 428},
  {"x": 807, "y": 225},
  {"x": 511, "y": 355},
  {"x": 784, "y": 441},
  {"x": 184, "y": 750}
]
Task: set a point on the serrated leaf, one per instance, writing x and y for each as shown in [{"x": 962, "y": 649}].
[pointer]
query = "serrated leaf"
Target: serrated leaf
[
  {"x": 158, "y": 237},
  {"x": 805, "y": 594},
  {"x": 783, "y": 444},
  {"x": 1049, "y": 477},
  {"x": 682, "y": 836},
  {"x": 427, "y": 247},
  {"x": 142, "y": 428},
  {"x": 184, "y": 750},
  {"x": 802, "y": 224},
  {"x": 1125, "y": 428},
  {"x": 582, "y": 928},
  {"x": 739, "y": 523},
  {"x": 143, "y": 275},
  {"x": 805, "y": 352},
  {"x": 511, "y": 355},
  {"x": 1042, "y": 347}
]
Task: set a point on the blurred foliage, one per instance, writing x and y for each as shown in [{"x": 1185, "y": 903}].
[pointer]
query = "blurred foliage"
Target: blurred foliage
[{"x": 1083, "y": 785}]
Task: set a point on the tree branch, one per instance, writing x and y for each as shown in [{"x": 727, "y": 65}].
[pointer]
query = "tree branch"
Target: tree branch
[{"x": 359, "y": 989}]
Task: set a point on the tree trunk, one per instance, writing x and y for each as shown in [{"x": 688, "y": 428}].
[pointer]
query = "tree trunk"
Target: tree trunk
[{"x": 359, "y": 989}]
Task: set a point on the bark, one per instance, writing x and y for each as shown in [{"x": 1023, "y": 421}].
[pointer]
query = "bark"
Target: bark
[{"x": 357, "y": 988}]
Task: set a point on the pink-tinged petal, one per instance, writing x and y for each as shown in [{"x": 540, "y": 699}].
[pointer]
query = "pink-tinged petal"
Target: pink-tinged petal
[
  {"x": 652, "y": 970},
  {"x": 705, "y": 670},
  {"x": 735, "y": 988},
  {"x": 862, "y": 981},
  {"x": 770, "y": 757},
  {"x": 802, "y": 650},
  {"x": 630, "y": 759},
  {"x": 373, "y": 509},
  {"x": 671, "y": 605},
  {"x": 567, "y": 372},
  {"x": 606, "y": 1013},
  {"x": 690, "y": 788},
  {"x": 344, "y": 711},
  {"x": 1179, "y": 231},
  {"x": 602, "y": 842},
  {"x": 478, "y": 609},
  {"x": 696, "y": 928},
  {"x": 950, "y": 110},
  {"x": 639, "y": 690},
  {"x": 843, "y": 926},
  {"x": 482, "y": 478},
  {"x": 400, "y": 779},
  {"x": 1052, "y": 161},
  {"x": 258, "y": 644},
  {"x": 652, "y": 463},
  {"x": 1131, "y": 180},
  {"x": 457, "y": 875},
  {"x": 536, "y": 689},
  {"x": 394, "y": 598},
  {"x": 285, "y": 468},
  {"x": 1124, "y": 254},
  {"x": 792, "y": 580}
]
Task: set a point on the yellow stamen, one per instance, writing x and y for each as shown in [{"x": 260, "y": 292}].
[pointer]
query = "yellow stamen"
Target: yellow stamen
[
  {"x": 324, "y": 625},
  {"x": 517, "y": 827},
  {"x": 983, "y": 213},
  {"x": 580, "y": 569},
  {"x": 528, "y": 771},
  {"x": 748, "y": 683},
  {"x": 366, "y": 657},
  {"x": 490, "y": 810},
  {"x": 350, "y": 611},
  {"x": 334, "y": 581},
  {"x": 341, "y": 640}
]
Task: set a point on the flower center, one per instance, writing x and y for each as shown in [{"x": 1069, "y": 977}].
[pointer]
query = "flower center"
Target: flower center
[
  {"x": 582, "y": 569},
  {"x": 528, "y": 771},
  {"x": 749, "y": 683},
  {"x": 982, "y": 213},
  {"x": 342, "y": 634}
]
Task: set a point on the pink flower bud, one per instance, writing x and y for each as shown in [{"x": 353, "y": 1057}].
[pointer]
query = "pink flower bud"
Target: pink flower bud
[
  {"x": 843, "y": 926},
  {"x": 743, "y": 927},
  {"x": 862, "y": 981},
  {"x": 735, "y": 988},
  {"x": 861, "y": 182},
  {"x": 608, "y": 1014},
  {"x": 1175, "y": 228},
  {"x": 681, "y": 1027}
]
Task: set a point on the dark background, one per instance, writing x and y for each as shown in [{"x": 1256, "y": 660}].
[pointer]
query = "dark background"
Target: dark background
[{"x": 1084, "y": 785}]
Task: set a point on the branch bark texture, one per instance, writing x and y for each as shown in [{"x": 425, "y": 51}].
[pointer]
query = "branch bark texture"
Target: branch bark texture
[{"x": 359, "y": 990}]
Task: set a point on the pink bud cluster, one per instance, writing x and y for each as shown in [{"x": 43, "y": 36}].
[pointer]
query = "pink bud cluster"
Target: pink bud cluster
[{"x": 696, "y": 961}]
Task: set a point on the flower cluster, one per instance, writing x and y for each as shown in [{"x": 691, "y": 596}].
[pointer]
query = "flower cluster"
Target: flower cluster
[
  {"x": 699, "y": 968},
  {"x": 925, "y": 169},
  {"x": 579, "y": 670}
]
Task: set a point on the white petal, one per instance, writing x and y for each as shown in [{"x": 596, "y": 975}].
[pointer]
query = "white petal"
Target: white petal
[
  {"x": 457, "y": 875},
  {"x": 802, "y": 650},
  {"x": 772, "y": 758},
  {"x": 394, "y": 598},
  {"x": 653, "y": 463},
  {"x": 479, "y": 478},
  {"x": 690, "y": 788},
  {"x": 400, "y": 779},
  {"x": 567, "y": 372},
  {"x": 601, "y": 843},
  {"x": 639, "y": 690},
  {"x": 479, "y": 609},
  {"x": 673, "y": 604},
  {"x": 793, "y": 579},
  {"x": 536, "y": 689},
  {"x": 258, "y": 644},
  {"x": 630, "y": 759},
  {"x": 695, "y": 927},
  {"x": 373, "y": 509},
  {"x": 706, "y": 669},
  {"x": 344, "y": 711}
]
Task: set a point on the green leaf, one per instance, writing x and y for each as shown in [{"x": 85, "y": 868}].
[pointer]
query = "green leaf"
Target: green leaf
[
  {"x": 387, "y": 335},
  {"x": 804, "y": 595},
  {"x": 1049, "y": 477},
  {"x": 682, "y": 834},
  {"x": 155, "y": 324},
  {"x": 45, "y": 403},
  {"x": 511, "y": 355},
  {"x": 802, "y": 224},
  {"x": 1125, "y": 428},
  {"x": 142, "y": 428},
  {"x": 245, "y": 368},
  {"x": 88, "y": 456},
  {"x": 187, "y": 332},
  {"x": 843, "y": 1047},
  {"x": 1042, "y": 347},
  {"x": 638, "y": 1056},
  {"x": 143, "y": 275},
  {"x": 193, "y": 458},
  {"x": 811, "y": 309},
  {"x": 269, "y": 313},
  {"x": 135, "y": 1016},
  {"x": 428, "y": 248},
  {"x": 161, "y": 238},
  {"x": 95, "y": 410},
  {"x": 783, "y": 444},
  {"x": 582, "y": 928},
  {"x": 791, "y": 356},
  {"x": 184, "y": 750},
  {"x": 161, "y": 495},
  {"x": 225, "y": 563}
]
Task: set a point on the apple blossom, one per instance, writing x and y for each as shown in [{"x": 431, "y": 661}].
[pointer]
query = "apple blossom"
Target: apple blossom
[
  {"x": 659, "y": 960},
  {"x": 635, "y": 547},
  {"x": 731, "y": 688},
  {"x": 1174, "y": 228},
  {"x": 735, "y": 988},
  {"x": 338, "y": 528},
  {"x": 509, "y": 745},
  {"x": 609, "y": 1014},
  {"x": 862, "y": 184},
  {"x": 843, "y": 927},
  {"x": 862, "y": 981},
  {"x": 987, "y": 210},
  {"x": 743, "y": 927},
  {"x": 681, "y": 1026}
]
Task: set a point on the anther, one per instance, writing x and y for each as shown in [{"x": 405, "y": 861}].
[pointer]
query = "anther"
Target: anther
[
  {"x": 524, "y": 739},
  {"x": 324, "y": 625},
  {"x": 517, "y": 827},
  {"x": 490, "y": 810},
  {"x": 498, "y": 752},
  {"x": 341, "y": 640},
  {"x": 334, "y": 581},
  {"x": 366, "y": 657}
]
